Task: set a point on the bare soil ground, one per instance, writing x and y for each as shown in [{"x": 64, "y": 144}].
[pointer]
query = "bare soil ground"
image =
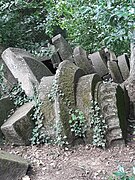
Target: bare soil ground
[{"x": 78, "y": 163}]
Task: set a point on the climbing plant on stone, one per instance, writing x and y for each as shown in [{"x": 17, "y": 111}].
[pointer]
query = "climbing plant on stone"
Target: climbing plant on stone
[
  {"x": 98, "y": 124},
  {"x": 78, "y": 123},
  {"x": 3, "y": 87}
]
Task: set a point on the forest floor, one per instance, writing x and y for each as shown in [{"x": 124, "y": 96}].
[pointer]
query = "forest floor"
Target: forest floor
[{"x": 78, "y": 163}]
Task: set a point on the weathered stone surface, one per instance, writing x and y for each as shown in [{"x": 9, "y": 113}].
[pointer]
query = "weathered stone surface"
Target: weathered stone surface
[
  {"x": 39, "y": 69},
  {"x": 5, "y": 106},
  {"x": 12, "y": 167},
  {"x": 18, "y": 128},
  {"x": 67, "y": 75},
  {"x": 111, "y": 99},
  {"x": 54, "y": 57},
  {"x": 8, "y": 79},
  {"x": 112, "y": 56},
  {"x": 115, "y": 71},
  {"x": 7, "y": 87},
  {"x": 47, "y": 108},
  {"x": 84, "y": 96},
  {"x": 123, "y": 64},
  {"x": 8, "y": 76},
  {"x": 55, "y": 60},
  {"x": 62, "y": 47},
  {"x": 104, "y": 55},
  {"x": 45, "y": 87},
  {"x": 20, "y": 70},
  {"x": 130, "y": 82},
  {"x": 81, "y": 60},
  {"x": 99, "y": 64}
]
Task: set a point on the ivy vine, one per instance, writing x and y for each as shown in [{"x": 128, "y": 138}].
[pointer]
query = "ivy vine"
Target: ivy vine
[
  {"x": 98, "y": 125},
  {"x": 3, "y": 86},
  {"x": 19, "y": 97},
  {"x": 78, "y": 123}
]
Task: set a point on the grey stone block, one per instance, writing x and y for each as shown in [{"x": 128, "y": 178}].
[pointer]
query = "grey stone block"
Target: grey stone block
[
  {"x": 62, "y": 47},
  {"x": 12, "y": 167},
  {"x": 20, "y": 70},
  {"x": 123, "y": 65},
  {"x": 84, "y": 95},
  {"x": 18, "y": 128},
  {"x": 115, "y": 71},
  {"x": 67, "y": 76},
  {"x": 99, "y": 64},
  {"x": 81, "y": 60},
  {"x": 6, "y": 105}
]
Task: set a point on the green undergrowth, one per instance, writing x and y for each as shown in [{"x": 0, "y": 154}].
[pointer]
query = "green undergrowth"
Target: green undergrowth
[
  {"x": 121, "y": 174},
  {"x": 19, "y": 98},
  {"x": 98, "y": 125},
  {"x": 77, "y": 122}
]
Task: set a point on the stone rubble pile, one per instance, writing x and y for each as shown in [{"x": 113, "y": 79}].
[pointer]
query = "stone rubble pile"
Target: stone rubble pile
[{"x": 80, "y": 77}]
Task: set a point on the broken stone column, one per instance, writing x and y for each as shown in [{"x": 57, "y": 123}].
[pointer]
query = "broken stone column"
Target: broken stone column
[
  {"x": 55, "y": 59},
  {"x": 84, "y": 95},
  {"x": 123, "y": 64},
  {"x": 81, "y": 60},
  {"x": 115, "y": 71},
  {"x": 6, "y": 86},
  {"x": 111, "y": 99},
  {"x": 62, "y": 47},
  {"x": 6, "y": 105},
  {"x": 12, "y": 167},
  {"x": 130, "y": 82},
  {"x": 47, "y": 107},
  {"x": 67, "y": 76},
  {"x": 45, "y": 87},
  {"x": 39, "y": 69},
  {"x": 20, "y": 70},
  {"x": 99, "y": 64},
  {"x": 18, "y": 128},
  {"x": 9, "y": 79}
]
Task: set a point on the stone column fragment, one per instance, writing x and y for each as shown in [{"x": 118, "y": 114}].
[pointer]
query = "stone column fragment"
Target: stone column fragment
[
  {"x": 18, "y": 128},
  {"x": 12, "y": 167},
  {"x": 84, "y": 95},
  {"x": 67, "y": 76},
  {"x": 111, "y": 99},
  {"x": 47, "y": 107},
  {"x": 62, "y": 47},
  {"x": 20, "y": 70},
  {"x": 123, "y": 64},
  {"x": 6, "y": 105},
  {"x": 99, "y": 64},
  {"x": 115, "y": 71},
  {"x": 81, "y": 60}
]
